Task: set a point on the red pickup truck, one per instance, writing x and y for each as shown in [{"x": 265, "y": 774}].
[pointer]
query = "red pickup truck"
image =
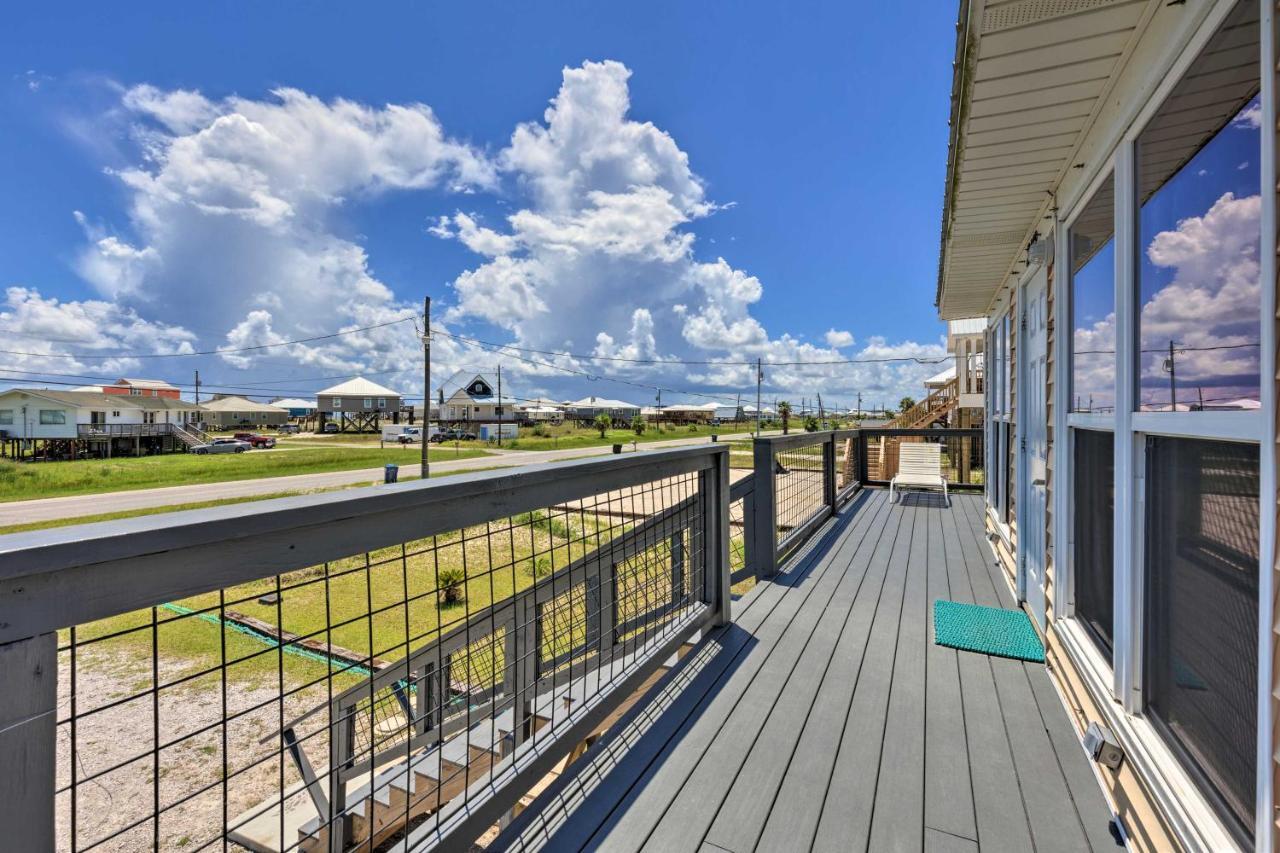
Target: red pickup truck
[{"x": 256, "y": 440}]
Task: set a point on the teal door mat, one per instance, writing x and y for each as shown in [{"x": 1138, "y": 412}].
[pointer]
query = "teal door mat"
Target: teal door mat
[{"x": 990, "y": 630}]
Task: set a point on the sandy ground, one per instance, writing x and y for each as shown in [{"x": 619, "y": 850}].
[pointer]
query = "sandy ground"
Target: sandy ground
[{"x": 124, "y": 733}]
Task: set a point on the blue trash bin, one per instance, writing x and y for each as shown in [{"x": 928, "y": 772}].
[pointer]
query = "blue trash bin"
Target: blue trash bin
[{"x": 391, "y": 473}]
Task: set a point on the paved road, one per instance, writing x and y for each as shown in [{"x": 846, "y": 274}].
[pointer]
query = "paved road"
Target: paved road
[{"x": 44, "y": 509}]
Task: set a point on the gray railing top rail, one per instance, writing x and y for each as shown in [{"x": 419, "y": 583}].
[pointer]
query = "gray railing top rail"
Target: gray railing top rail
[
  {"x": 51, "y": 579},
  {"x": 801, "y": 439}
]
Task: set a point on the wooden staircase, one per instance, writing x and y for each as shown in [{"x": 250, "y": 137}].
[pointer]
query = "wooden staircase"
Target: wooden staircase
[
  {"x": 882, "y": 462},
  {"x": 190, "y": 435},
  {"x": 424, "y": 782},
  {"x": 933, "y": 408}
]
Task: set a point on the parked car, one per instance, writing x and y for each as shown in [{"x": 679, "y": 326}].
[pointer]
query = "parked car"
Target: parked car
[
  {"x": 330, "y": 427},
  {"x": 256, "y": 440},
  {"x": 222, "y": 445},
  {"x": 288, "y": 429},
  {"x": 452, "y": 435},
  {"x": 411, "y": 435}
]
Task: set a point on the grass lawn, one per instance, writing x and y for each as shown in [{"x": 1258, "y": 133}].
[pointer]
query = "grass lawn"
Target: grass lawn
[
  {"x": 308, "y": 439},
  {"x": 159, "y": 510},
  {"x": 28, "y": 480},
  {"x": 567, "y": 436},
  {"x": 398, "y": 585}
]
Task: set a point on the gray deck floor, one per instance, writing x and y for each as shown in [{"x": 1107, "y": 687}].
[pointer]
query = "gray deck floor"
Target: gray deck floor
[{"x": 825, "y": 718}]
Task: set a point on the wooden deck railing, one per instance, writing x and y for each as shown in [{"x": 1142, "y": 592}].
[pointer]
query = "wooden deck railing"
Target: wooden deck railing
[{"x": 122, "y": 430}]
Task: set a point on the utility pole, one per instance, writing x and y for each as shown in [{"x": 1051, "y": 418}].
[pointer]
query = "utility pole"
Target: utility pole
[
  {"x": 197, "y": 387},
  {"x": 426, "y": 383},
  {"x": 759, "y": 379},
  {"x": 859, "y": 405},
  {"x": 499, "y": 404},
  {"x": 821, "y": 412},
  {"x": 1173, "y": 393}
]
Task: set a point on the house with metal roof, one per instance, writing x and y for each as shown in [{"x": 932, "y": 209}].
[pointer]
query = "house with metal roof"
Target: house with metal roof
[
  {"x": 296, "y": 406},
  {"x": 66, "y": 424},
  {"x": 587, "y": 408},
  {"x": 227, "y": 411},
  {"x": 358, "y": 405}
]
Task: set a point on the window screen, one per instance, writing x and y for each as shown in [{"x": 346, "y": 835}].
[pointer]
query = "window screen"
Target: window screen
[
  {"x": 1094, "y": 523},
  {"x": 1202, "y": 611}
]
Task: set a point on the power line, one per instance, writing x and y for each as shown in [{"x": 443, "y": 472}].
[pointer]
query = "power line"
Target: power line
[
  {"x": 223, "y": 351},
  {"x": 691, "y": 362}
]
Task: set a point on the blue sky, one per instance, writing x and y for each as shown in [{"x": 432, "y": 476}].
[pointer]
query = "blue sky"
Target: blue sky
[{"x": 816, "y": 142}]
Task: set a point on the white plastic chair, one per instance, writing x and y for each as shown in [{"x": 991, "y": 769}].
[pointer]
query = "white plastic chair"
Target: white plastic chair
[{"x": 919, "y": 467}]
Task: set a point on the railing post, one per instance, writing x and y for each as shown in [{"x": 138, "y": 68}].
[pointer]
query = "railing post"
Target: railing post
[
  {"x": 829, "y": 471},
  {"x": 763, "y": 532},
  {"x": 341, "y": 752},
  {"x": 714, "y": 487},
  {"x": 530, "y": 649},
  {"x": 28, "y": 741}
]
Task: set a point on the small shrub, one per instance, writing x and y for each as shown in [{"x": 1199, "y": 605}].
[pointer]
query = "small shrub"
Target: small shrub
[
  {"x": 540, "y": 568},
  {"x": 693, "y": 427},
  {"x": 811, "y": 424},
  {"x": 450, "y": 586},
  {"x": 638, "y": 425},
  {"x": 539, "y": 430}
]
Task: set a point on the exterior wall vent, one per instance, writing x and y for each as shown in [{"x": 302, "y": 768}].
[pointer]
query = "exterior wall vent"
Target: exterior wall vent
[{"x": 1033, "y": 11}]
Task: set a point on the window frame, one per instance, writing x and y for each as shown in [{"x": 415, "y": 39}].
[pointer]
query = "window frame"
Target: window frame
[
  {"x": 1001, "y": 427},
  {"x": 56, "y": 417},
  {"x": 1117, "y": 690}
]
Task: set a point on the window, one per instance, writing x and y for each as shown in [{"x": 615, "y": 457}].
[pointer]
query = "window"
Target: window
[
  {"x": 1198, "y": 186},
  {"x": 52, "y": 416},
  {"x": 115, "y": 414},
  {"x": 337, "y": 402},
  {"x": 6, "y": 416},
  {"x": 1000, "y": 429},
  {"x": 1093, "y": 523},
  {"x": 382, "y": 402},
  {"x": 135, "y": 392},
  {"x": 1202, "y": 563},
  {"x": 1093, "y": 291},
  {"x": 368, "y": 403}
]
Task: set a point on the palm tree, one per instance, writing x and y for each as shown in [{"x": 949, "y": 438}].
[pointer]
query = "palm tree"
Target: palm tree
[
  {"x": 603, "y": 423},
  {"x": 784, "y": 412}
]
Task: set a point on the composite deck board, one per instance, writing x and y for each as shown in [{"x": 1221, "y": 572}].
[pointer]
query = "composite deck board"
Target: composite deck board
[
  {"x": 897, "y": 823},
  {"x": 621, "y": 815},
  {"x": 825, "y": 718},
  {"x": 799, "y": 801},
  {"x": 706, "y": 763},
  {"x": 845, "y": 823},
  {"x": 757, "y": 729},
  {"x": 997, "y": 794},
  {"x": 948, "y": 791},
  {"x": 839, "y": 639}
]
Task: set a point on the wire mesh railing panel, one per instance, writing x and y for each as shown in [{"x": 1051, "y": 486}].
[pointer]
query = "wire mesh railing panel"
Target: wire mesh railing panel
[
  {"x": 364, "y": 695},
  {"x": 799, "y": 486},
  {"x": 847, "y": 462}
]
